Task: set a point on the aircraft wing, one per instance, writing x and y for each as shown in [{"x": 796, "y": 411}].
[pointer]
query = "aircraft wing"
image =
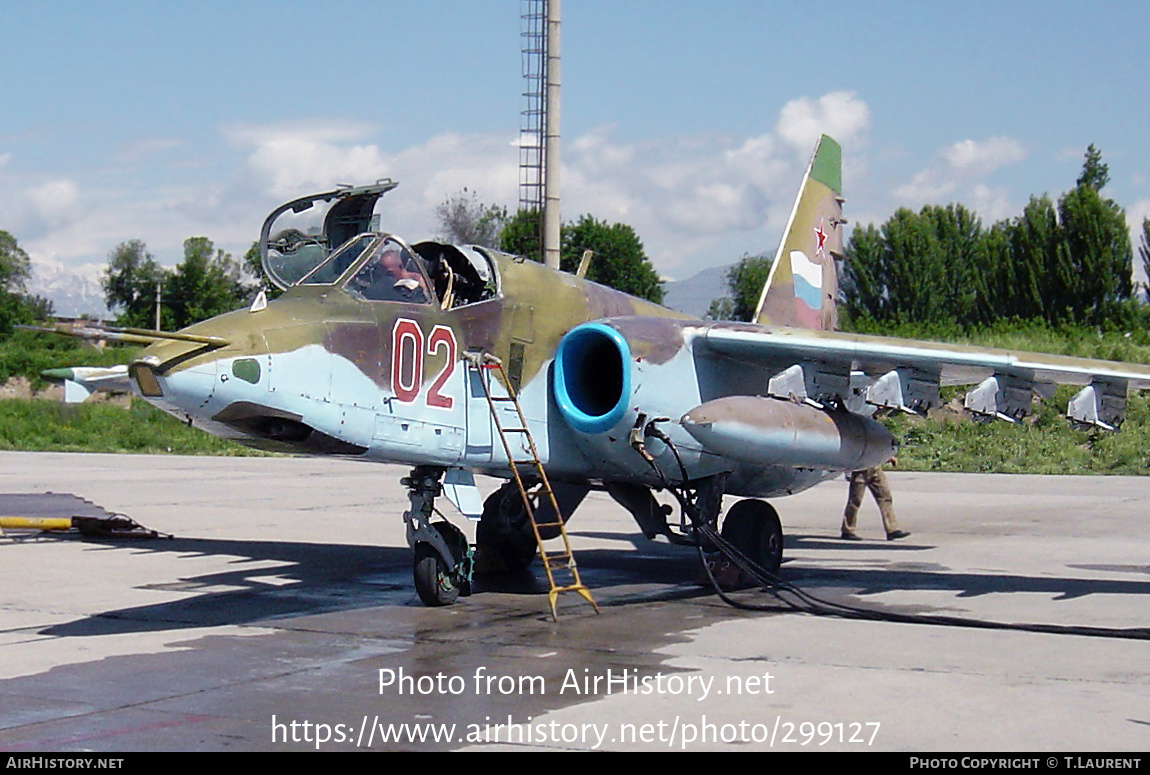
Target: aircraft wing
[{"x": 821, "y": 366}]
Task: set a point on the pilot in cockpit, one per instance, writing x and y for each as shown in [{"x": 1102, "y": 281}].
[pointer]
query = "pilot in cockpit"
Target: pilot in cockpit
[
  {"x": 385, "y": 278},
  {"x": 410, "y": 286}
]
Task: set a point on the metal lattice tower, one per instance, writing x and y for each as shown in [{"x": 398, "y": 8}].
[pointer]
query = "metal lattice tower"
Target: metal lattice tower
[{"x": 532, "y": 139}]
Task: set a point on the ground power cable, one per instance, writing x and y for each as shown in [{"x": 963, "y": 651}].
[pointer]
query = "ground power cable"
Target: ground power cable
[{"x": 805, "y": 602}]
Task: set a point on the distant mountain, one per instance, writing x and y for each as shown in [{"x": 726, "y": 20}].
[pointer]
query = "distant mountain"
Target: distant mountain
[
  {"x": 72, "y": 294},
  {"x": 694, "y": 295}
]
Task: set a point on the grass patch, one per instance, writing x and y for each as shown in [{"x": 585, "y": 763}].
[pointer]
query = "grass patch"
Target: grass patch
[
  {"x": 34, "y": 424},
  {"x": 41, "y": 425},
  {"x": 1030, "y": 336},
  {"x": 1044, "y": 443},
  {"x": 27, "y": 353}
]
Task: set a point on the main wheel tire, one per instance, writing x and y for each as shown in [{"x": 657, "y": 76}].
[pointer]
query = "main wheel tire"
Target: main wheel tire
[
  {"x": 432, "y": 581},
  {"x": 504, "y": 529},
  {"x": 754, "y": 528}
]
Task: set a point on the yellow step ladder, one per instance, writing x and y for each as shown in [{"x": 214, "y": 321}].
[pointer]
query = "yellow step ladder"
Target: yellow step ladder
[{"x": 562, "y": 573}]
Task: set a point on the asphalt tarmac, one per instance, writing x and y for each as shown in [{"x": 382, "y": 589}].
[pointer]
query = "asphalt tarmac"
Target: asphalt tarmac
[{"x": 282, "y": 616}]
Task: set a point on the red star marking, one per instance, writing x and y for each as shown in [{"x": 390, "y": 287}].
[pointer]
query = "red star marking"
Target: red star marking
[{"x": 821, "y": 236}]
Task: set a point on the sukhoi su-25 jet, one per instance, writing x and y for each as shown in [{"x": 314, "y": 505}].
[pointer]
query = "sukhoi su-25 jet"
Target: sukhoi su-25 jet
[{"x": 459, "y": 359}]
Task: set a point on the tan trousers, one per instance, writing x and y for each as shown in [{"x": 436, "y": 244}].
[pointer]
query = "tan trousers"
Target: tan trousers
[{"x": 874, "y": 480}]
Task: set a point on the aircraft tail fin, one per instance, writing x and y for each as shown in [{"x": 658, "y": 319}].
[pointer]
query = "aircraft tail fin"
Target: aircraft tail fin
[{"x": 802, "y": 287}]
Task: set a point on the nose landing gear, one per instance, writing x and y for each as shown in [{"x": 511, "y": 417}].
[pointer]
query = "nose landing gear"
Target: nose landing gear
[{"x": 443, "y": 558}]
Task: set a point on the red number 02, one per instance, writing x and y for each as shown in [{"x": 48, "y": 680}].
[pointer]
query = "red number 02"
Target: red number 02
[{"x": 407, "y": 362}]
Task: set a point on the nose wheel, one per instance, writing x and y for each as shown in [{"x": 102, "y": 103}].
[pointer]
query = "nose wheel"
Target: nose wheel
[
  {"x": 435, "y": 582},
  {"x": 443, "y": 558}
]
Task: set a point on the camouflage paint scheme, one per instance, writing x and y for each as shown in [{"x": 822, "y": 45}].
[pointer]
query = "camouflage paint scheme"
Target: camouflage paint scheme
[
  {"x": 803, "y": 284},
  {"x": 761, "y": 409}
]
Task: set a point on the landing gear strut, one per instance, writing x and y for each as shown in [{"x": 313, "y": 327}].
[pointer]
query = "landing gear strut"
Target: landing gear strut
[
  {"x": 751, "y": 528},
  {"x": 443, "y": 558}
]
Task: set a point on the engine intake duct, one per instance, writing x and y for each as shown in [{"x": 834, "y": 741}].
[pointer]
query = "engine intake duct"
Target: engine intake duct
[{"x": 592, "y": 377}]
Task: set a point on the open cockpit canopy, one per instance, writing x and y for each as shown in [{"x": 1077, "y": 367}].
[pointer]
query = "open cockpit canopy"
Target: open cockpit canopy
[
  {"x": 334, "y": 237},
  {"x": 299, "y": 236}
]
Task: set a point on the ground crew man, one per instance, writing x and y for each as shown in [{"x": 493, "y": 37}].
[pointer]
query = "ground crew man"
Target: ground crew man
[{"x": 874, "y": 480}]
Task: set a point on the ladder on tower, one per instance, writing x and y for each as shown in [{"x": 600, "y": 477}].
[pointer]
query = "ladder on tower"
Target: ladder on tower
[{"x": 559, "y": 562}]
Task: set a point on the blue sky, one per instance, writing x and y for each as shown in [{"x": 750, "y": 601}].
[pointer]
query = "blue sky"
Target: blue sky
[{"x": 691, "y": 121}]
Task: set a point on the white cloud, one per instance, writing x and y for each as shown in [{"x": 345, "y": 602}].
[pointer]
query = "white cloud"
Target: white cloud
[
  {"x": 926, "y": 186},
  {"x": 956, "y": 172},
  {"x": 53, "y": 199},
  {"x": 47, "y": 207},
  {"x": 1135, "y": 215},
  {"x": 973, "y": 158},
  {"x": 695, "y": 201},
  {"x": 293, "y": 159},
  {"x": 839, "y": 114},
  {"x": 992, "y": 204}
]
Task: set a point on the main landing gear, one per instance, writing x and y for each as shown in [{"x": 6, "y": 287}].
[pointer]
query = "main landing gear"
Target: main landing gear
[
  {"x": 753, "y": 528},
  {"x": 504, "y": 532},
  {"x": 443, "y": 558},
  {"x": 749, "y": 549}
]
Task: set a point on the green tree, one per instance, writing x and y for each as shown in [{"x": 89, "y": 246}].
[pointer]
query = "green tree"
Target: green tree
[
  {"x": 464, "y": 220},
  {"x": 745, "y": 281},
  {"x": 1068, "y": 262},
  {"x": 16, "y": 306},
  {"x": 39, "y": 307},
  {"x": 253, "y": 266},
  {"x": 130, "y": 281},
  {"x": 997, "y": 296},
  {"x": 932, "y": 266},
  {"x": 521, "y": 235},
  {"x": 619, "y": 262},
  {"x": 721, "y": 308},
  {"x": 963, "y": 255},
  {"x": 1098, "y": 246},
  {"x": 864, "y": 289},
  {"x": 1034, "y": 274},
  {"x": 903, "y": 265},
  {"x": 1095, "y": 174},
  {"x": 15, "y": 266},
  {"x": 208, "y": 282},
  {"x": 205, "y": 284}
]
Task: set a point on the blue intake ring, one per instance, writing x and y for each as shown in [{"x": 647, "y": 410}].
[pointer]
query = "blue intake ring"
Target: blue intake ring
[{"x": 592, "y": 377}]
